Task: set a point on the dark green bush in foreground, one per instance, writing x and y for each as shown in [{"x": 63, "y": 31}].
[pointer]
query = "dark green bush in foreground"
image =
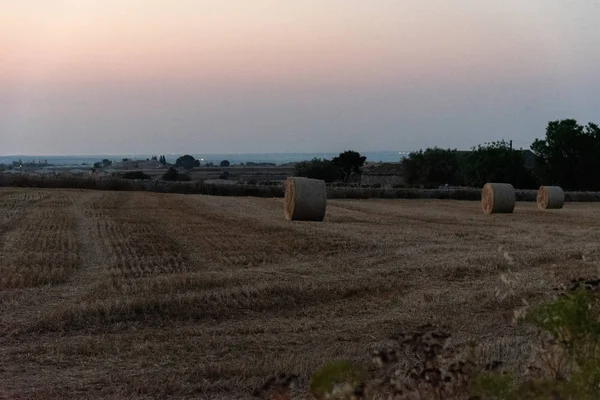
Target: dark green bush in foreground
[
  {"x": 422, "y": 366},
  {"x": 568, "y": 363}
]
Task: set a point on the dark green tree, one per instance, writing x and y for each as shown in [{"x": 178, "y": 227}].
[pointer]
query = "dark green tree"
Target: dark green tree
[
  {"x": 569, "y": 155},
  {"x": 196, "y": 163},
  {"x": 432, "y": 167},
  {"x": 185, "y": 161},
  {"x": 318, "y": 169},
  {"x": 171, "y": 175},
  {"x": 162, "y": 160},
  {"x": 497, "y": 162},
  {"x": 224, "y": 164},
  {"x": 135, "y": 175},
  {"x": 349, "y": 162}
]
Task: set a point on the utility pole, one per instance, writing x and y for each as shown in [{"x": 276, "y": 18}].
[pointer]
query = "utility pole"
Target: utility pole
[{"x": 510, "y": 144}]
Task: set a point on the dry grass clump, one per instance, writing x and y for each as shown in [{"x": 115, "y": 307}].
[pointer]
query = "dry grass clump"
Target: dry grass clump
[
  {"x": 305, "y": 199},
  {"x": 550, "y": 198}
]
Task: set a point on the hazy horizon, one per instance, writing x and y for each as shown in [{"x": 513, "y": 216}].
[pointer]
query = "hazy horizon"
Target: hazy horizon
[{"x": 219, "y": 77}]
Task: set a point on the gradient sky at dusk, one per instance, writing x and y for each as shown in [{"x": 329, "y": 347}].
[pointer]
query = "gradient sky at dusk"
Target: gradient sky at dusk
[{"x": 202, "y": 76}]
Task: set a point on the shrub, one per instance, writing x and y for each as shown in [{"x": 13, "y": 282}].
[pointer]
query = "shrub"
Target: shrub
[
  {"x": 135, "y": 175},
  {"x": 568, "y": 365},
  {"x": 224, "y": 175},
  {"x": 338, "y": 380},
  {"x": 422, "y": 364},
  {"x": 319, "y": 169},
  {"x": 171, "y": 175}
]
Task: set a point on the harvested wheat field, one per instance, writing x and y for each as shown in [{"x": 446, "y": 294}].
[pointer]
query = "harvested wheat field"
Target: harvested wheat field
[{"x": 140, "y": 295}]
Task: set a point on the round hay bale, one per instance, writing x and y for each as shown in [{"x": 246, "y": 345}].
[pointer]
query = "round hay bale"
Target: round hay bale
[
  {"x": 498, "y": 198},
  {"x": 305, "y": 199},
  {"x": 550, "y": 198}
]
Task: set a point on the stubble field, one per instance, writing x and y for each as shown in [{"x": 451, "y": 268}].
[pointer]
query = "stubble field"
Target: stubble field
[{"x": 143, "y": 295}]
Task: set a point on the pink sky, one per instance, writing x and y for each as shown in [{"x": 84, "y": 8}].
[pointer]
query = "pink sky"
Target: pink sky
[{"x": 72, "y": 70}]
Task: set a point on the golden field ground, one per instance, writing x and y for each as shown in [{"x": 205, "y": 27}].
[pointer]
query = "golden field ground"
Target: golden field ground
[{"x": 142, "y": 295}]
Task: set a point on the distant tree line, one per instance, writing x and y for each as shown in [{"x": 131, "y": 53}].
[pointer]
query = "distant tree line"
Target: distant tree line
[
  {"x": 27, "y": 164},
  {"x": 568, "y": 156},
  {"x": 186, "y": 161},
  {"x": 340, "y": 168},
  {"x": 189, "y": 162},
  {"x": 105, "y": 163},
  {"x": 491, "y": 162}
]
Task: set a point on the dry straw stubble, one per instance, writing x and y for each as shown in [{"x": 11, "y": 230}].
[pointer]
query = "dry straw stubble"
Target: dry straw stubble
[
  {"x": 305, "y": 199},
  {"x": 550, "y": 198},
  {"x": 498, "y": 198},
  {"x": 278, "y": 300}
]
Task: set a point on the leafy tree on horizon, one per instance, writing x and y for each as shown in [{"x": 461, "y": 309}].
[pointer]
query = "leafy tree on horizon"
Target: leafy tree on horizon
[
  {"x": 432, "y": 167},
  {"x": 318, "y": 169},
  {"x": 185, "y": 161},
  {"x": 349, "y": 162},
  {"x": 497, "y": 162},
  {"x": 569, "y": 155},
  {"x": 224, "y": 164}
]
